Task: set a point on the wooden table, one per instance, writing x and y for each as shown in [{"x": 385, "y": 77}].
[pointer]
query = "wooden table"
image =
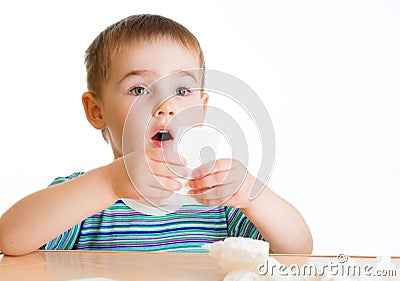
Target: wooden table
[{"x": 70, "y": 265}]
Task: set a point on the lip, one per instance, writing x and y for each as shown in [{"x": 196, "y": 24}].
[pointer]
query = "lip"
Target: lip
[{"x": 163, "y": 143}]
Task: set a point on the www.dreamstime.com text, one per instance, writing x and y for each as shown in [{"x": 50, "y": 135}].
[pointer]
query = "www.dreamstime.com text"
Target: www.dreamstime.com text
[{"x": 337, "y": 268}]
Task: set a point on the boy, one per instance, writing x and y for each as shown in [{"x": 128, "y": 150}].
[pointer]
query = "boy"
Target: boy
[{"x": 84, "y": 210}]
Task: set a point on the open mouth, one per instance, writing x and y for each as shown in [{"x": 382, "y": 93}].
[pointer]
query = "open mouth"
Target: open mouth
[{"x": 163, "y": 137}]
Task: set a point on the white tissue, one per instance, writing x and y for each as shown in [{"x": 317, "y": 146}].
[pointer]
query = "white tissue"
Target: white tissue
[
  {"x": 188, "y": 143},
  {"x": 239, "y": 253},
  {"x": 240, "y": 259}
]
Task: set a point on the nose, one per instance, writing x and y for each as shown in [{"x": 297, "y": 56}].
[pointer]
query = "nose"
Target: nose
[{"x": 164, "y": 110}]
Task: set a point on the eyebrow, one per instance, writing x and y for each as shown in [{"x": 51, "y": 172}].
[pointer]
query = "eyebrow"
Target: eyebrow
[
  {"x": 187, "y": 73},
  {"x": 145, "y": 72}
]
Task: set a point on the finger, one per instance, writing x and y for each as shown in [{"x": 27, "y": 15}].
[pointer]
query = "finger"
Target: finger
[
  {"x": 168, "y": 170},
  {"x": 210, "y": 180},
  {"x": 168, "y": 183},
  {"x": 214, "y": 202},
  {"x": 182, "y": 159},
  {"x": 220, "y": 192},
  {"x": 212, "y": 167}
]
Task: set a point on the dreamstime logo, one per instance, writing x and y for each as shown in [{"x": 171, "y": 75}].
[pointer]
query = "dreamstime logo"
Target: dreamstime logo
[
  {"x": 342, "y": 267},
  {"x": 181, "y": 95}
]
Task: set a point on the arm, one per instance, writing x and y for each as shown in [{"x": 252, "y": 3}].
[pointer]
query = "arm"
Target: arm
[
  {"x": 43, "y": 215},
  {"x": 279, "y": 223},
  {"x": 277, "y": 220}
]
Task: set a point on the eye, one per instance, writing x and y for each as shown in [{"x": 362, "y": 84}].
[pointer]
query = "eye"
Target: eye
[
  {"x": 182, "y": 91},
  {"x": 139, "y": 91}
]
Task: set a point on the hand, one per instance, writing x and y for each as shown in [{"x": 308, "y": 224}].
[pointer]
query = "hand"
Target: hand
[
  {"x": 147, "y": 175},
  {"x": 225, "y": 182}
]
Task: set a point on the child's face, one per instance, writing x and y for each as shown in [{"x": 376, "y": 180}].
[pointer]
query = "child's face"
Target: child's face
[{"x": 131, "y": 74}]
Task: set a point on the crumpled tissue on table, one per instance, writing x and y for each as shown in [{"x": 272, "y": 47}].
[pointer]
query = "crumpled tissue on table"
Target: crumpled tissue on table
[
  {"x": 242, "y": 259},
  {"x": 239, "y": 257}
]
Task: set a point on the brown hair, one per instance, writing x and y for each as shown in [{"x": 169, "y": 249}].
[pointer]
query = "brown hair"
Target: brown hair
[{"x": 136, "y": 29}]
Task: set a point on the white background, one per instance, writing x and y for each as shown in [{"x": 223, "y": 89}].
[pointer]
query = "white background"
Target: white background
[{"x": 327, "y": 71}]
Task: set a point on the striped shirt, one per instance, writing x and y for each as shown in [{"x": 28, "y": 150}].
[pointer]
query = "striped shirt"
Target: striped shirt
[{"x": 121, "y": 228}]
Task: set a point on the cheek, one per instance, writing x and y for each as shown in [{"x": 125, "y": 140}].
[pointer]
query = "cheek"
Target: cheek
[
  {"x": 134, "y": 128},
  {"x": 115, "y": 123},
  {"x": 114, "y": 114},
  {"x": 189, "y": 112}
]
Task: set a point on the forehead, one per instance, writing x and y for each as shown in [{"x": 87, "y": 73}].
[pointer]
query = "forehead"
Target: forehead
[{"x": 157, "y": 59}]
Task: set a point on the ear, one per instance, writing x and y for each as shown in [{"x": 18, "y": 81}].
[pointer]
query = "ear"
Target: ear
[
  {"x": 204, "y": 101},
  {"x": 92, "y": 107}
]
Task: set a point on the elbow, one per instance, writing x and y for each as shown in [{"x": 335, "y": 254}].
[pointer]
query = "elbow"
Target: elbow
[
  {"x": 303, "y": 246},
  {"x": 9, "y": 246},
  {"x": 10, "y": 249},
  {"x": 7, "y": 249},
  {"x": 308, "y": 249},
  {"x": 307, "y": 244},
  {"x": 304, "y": 243}
]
